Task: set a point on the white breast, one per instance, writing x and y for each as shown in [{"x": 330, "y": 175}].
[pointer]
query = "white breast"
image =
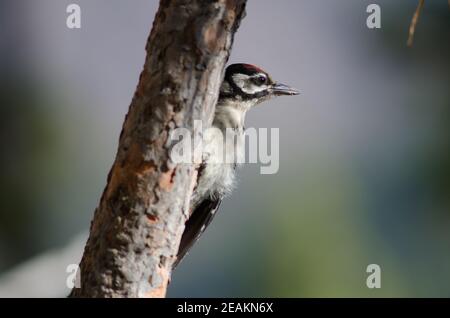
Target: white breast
[{"x": 217, "y": 175}]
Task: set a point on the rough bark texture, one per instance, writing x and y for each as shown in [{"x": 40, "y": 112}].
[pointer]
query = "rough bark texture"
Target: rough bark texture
[{"x": 138, "y": 224}]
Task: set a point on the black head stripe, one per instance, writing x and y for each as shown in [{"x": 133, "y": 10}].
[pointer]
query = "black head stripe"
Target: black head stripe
[
  {"x": 242, "y": 68},
  {"x": 237, "y": 91},
  {"x": 247, "y": 69}
]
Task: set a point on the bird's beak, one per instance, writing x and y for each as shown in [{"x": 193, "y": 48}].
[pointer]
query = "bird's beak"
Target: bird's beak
[{"x": 281, "y": 89}]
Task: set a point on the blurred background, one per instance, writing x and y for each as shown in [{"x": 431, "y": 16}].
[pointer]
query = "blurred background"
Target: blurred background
[{"x": 364, "y": 152}]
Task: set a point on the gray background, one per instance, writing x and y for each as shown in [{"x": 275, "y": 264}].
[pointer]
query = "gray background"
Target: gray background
[{"x": 364, "y": 151}]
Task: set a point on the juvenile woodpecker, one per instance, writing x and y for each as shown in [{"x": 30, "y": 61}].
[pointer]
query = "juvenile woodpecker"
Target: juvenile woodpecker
[{"x": 243, "y": 87}]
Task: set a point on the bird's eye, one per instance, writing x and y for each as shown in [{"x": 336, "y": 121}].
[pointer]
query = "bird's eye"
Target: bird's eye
[{"x": 261, "y": 79}]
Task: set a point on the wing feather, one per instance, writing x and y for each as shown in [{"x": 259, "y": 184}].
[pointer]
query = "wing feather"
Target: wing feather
[{"x": 196, "y": 225}]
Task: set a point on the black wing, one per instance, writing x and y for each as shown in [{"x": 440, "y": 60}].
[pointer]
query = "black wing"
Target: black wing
[{"x": 196, "y": 225}]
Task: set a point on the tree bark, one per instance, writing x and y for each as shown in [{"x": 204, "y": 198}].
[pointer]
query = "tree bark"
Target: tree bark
[{"x": 138, "y": 224}]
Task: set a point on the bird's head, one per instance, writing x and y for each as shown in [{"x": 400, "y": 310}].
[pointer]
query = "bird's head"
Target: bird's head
[{"x": 248, "y": 84}]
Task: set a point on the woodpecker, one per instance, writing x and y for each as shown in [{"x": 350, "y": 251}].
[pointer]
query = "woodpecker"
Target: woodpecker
[{"x": 243, "y": 86}]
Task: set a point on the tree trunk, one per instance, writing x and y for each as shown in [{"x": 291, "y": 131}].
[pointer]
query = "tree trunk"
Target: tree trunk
[{"x": 138, "y": 224}]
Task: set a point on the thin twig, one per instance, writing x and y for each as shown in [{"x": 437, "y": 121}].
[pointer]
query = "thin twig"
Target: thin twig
[{"x": 415, "y": 19}]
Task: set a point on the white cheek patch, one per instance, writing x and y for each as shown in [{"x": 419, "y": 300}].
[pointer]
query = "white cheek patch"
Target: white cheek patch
[
  {"x": 225, "y": 88},
  {"x": 240, "y": 80},
  {"x": 245, "y": 83}
]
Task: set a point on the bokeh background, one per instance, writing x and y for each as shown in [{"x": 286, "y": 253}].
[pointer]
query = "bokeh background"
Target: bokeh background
[{"x": 364, "y": 152}]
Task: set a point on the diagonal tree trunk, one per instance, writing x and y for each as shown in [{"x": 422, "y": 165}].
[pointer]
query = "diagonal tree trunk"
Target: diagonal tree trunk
[{"x": 137, "y": 226}]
